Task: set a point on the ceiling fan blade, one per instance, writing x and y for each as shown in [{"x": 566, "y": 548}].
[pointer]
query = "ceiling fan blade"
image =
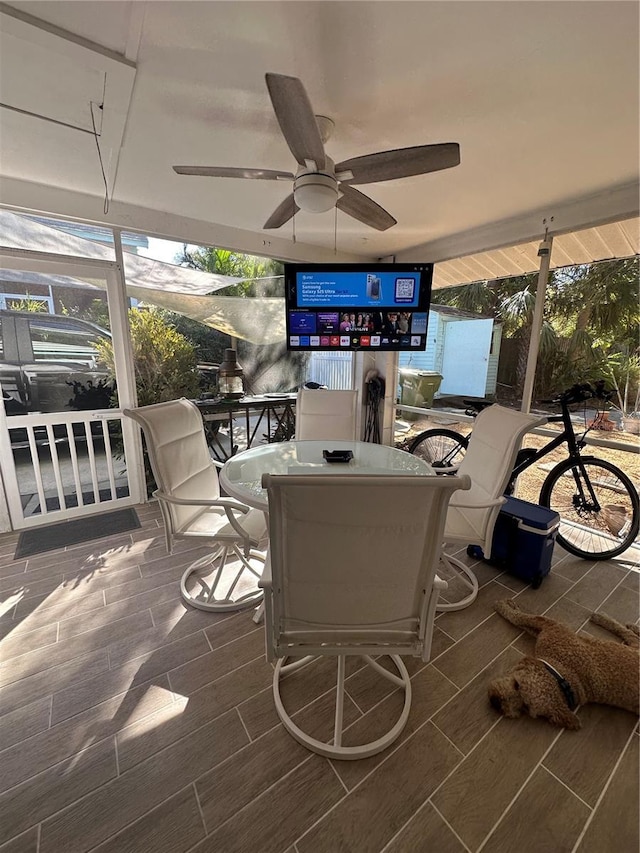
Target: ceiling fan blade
[
  {"x": 295, "y": 116},
  {"x": 365, "y": 209},
  {"x": 283, "y": 213},
  {"x": 400, "y": 163},
  {"x": 230, "y": 172}
]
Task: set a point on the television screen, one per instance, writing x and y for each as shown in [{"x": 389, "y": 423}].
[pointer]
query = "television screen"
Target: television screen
[{"x": 357, "y": 306}]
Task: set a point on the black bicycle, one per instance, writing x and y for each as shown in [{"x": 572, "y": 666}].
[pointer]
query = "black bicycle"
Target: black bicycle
[{"x": 598, "y": 504}]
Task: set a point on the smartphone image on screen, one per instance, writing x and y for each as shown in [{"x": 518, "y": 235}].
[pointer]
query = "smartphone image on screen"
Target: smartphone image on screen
[{"x": 374, "y": 289}]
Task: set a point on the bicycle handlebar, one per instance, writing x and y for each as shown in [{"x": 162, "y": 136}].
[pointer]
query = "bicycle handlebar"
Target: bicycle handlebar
[{"x": 580, "y": 392}]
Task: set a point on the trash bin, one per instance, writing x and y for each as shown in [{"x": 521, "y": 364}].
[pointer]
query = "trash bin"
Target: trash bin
[{"x": 417, "y": 388}]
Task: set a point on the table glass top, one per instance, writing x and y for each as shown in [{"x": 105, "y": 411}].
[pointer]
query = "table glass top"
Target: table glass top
[{"x": 243, "y": 472}]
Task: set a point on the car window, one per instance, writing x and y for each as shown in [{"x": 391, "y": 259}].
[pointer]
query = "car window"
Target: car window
[{"x": 62, "y": 339}]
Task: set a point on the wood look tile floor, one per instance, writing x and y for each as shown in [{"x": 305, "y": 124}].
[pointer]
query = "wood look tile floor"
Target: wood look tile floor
[{"x": 129, "y": 722}]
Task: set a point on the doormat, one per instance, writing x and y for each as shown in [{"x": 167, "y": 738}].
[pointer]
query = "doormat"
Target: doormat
[{"x": 66, "y": 533}]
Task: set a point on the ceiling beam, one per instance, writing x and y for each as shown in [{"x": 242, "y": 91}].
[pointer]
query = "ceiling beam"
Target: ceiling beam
[{"x": 28, "y": 197}]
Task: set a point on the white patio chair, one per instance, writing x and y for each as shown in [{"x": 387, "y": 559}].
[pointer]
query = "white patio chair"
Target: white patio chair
[
  {"x": 490, "y": 458},
  {"x": 351, "y": 570},
  {"x": 323, "y": 414},
  {"x": 192, "y": 508}
]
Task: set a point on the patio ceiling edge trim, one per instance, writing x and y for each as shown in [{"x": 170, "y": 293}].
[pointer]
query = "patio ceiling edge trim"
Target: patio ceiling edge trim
[
  {"x": 590, "y": 245},
  {"x": 612, "y": 205}
]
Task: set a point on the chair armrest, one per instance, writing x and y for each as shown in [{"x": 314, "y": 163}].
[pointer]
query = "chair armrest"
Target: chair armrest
[
  {"x": 230, "y": 505},
  {"x": 483, "y": 505},
  {"x": 266, "y": 580},
  {"x": 225, "y": 503}
]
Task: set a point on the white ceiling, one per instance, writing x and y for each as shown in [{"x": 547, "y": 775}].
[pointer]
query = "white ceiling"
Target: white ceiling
[{"x": 541, "y": 96}]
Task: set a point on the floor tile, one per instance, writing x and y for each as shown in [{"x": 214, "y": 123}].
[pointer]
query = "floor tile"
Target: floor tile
[
  {"x": 616, "y": 815},
  {"x": 139, "y": 741},
  {"x": 426, "y": 832},
  {"x": 545, "y": 816},
  {"x": 584, "y": 760},
  {"x": 370, "y": 816},
  {"x": 137, "y": 671},
  {"x": 43, "y": 683},
  {"x": 273, "y": 821},
  {"x": 104, "y": 812},
  {"x": 596, "y": 586},
  {"x": 50, "y": 610},
  {"x": 32, "y": 802},
  {"x": 470, "y": 655},
  {"x": 195, "y": 674},
  {"x": 246, "y": 775},
  {"x": 507, "y": 756},
  {"x": 27, "y": 842},
  {"x": 184, "y": 634},
  {"x": 430, "y": 691},
  {"x": 24, "y": 723},
  {"x": 13, "y": 645},
  {"x": 468, "y": 716},
  {"x": 172, "y": 827},
  {"x": 457, "y": 623},
  {"x": 622, "y": 604},
  {"x": 65, "y": 650},
  {"x": 60, "y": 742}
]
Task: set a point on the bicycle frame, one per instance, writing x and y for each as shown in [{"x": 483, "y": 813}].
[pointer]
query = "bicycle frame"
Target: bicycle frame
[{"x": 574, "y": 446}]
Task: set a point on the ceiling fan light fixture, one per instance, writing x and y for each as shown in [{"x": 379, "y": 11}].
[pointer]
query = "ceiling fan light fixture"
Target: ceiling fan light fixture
[{"x": 315, "y": 193}]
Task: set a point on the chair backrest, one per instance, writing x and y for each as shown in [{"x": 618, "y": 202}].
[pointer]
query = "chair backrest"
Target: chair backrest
[
  {"x": 353, "y": 559},
  {"x": 179, "y": 456},
  {"x": 493, "y": 446},
  {"x": 323, "y": 414}
]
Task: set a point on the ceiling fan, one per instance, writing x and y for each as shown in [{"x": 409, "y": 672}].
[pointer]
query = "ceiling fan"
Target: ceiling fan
[{"x": 319, "y": 184}]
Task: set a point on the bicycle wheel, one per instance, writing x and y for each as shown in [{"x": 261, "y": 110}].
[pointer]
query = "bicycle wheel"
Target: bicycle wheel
[
  {"x": 598, "y": 506},
  {"x": 440, "y": 448}
]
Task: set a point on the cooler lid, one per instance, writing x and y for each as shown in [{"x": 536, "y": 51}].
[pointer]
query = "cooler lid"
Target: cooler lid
[{"x": 531, "y": 514}]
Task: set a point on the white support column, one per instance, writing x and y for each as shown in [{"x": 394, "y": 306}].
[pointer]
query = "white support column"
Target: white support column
[
  {"x": 125, "y": 372},
  {"x": 536, "y": 326},
  {"x": 386, "y": 364}
]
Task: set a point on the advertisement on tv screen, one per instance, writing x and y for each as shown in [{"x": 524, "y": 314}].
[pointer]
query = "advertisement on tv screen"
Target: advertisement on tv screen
[{"x": 352, "y": 307}]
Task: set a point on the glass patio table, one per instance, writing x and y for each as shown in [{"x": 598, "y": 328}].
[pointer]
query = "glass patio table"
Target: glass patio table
[{"x": 241, "y": 476}]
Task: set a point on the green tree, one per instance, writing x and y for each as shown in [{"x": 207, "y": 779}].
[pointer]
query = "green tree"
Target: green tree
[
  {"x": 597, "y": 309},
  {"x": 262, "y": 276},
  {"x": 590, "y": 325},
  {"x": 266, "y": 368},
  {"x": 28, "y": 303},
  {"x": 165, "y": 361},
  {"x": 96, "y": 312}
]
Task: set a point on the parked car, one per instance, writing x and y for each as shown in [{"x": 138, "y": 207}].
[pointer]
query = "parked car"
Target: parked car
[{"x": 42, "y": 356}]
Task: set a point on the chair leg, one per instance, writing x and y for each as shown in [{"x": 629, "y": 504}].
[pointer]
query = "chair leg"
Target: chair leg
[
  {"x": 467, "y": 576},
  {"x": 335, "y": 749},
  {"x": 205, "y": 596}
]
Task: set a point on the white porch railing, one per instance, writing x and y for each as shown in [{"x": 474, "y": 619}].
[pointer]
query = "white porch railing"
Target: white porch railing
[{"x": 65, "y": 465}]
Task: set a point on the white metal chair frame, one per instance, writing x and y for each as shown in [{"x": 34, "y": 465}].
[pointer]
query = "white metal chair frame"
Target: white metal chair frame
[
  {"x": 326, "y": 414},
  {"x": 490, "y": 458},
  {"x": 181, "y": 464},
  {"x": 361, "y": 604}
]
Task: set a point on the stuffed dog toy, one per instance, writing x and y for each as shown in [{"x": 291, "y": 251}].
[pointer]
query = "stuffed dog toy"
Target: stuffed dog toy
[{"x": 567, "y": 670}]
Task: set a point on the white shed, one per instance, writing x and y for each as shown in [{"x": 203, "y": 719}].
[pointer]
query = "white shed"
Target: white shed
[{"x": 463, "y": 348}]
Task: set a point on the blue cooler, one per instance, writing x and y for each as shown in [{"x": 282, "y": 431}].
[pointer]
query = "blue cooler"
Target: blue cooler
[{"x": 523, "y": 540}]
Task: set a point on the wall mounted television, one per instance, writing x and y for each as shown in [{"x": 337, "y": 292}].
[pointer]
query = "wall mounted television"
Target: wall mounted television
[{"x": 342, "y": 307}]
